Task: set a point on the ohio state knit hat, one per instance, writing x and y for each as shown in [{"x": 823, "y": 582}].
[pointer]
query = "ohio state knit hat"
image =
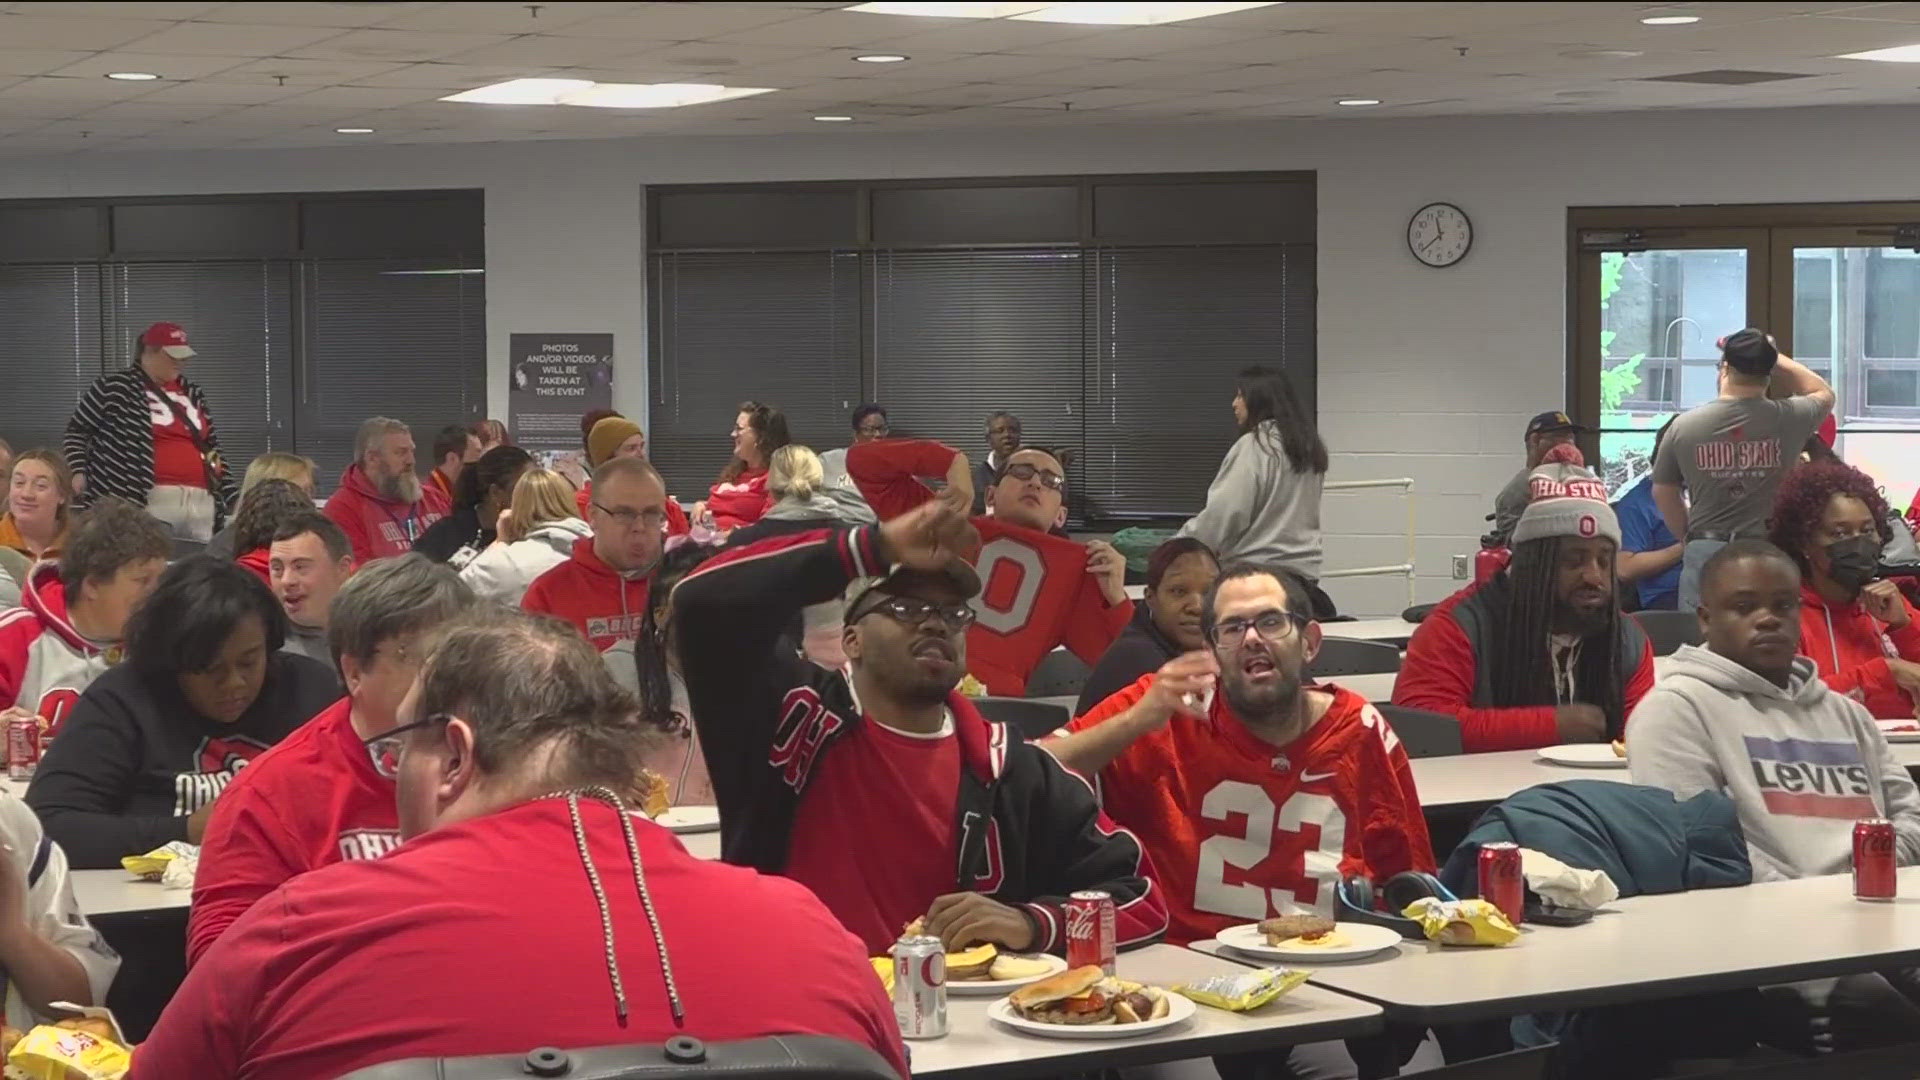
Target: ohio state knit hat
[{"x": 1567, "y": 500}]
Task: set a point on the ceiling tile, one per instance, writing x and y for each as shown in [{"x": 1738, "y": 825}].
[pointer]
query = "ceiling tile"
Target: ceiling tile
[
  {"x": 1116, "y": 73},
  {"x": 983, "y": 35},
  {"x": 36, "y": 61},
  {"x": 1070, "y": 100},
  {"x": 230, "y": 39},
  {"x": 395, "y": 45},
  {"x": 66, "y": 32},
  {"x": 503, "y": 18},
  {"x": 361, "y": 97},
  {"x": 972, "y": 68},
  {"x": 225, "y": 93},
  {"x": 826, "y": 29},
  {"x": 439, "y": 76},
  {"x": 304, "y": 72},
  {"x": 170, "y": 68},
  {"x": 56, "y": 88},
  {"x": 683, "y": 22},
  {"x": 552, "y": 51},
  {"x": 343, "y": 16},
  {"x": 160, "y": 9}
]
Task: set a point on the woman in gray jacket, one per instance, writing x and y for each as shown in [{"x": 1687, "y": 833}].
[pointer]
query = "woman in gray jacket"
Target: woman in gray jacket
[{"x": 1264, "y": 504}]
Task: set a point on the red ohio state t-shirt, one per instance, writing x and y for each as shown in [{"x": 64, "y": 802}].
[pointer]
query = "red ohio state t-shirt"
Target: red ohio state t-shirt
[{"x": 176, "y": 460}]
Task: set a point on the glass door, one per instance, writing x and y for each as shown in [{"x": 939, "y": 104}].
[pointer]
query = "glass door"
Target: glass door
[
  {"x": 1852, "y": 296},
  {"x": 1649, "y": 308}
]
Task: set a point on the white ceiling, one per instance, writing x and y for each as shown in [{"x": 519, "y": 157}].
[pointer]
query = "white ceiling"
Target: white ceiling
[{"x": 288, "y": 74}]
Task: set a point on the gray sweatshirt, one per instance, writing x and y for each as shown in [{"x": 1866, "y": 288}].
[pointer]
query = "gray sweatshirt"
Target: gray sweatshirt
[
  {"x": 1801, "y": 764},
  {"x": 310, "y": 642},
  {"x": 849, "y": 505},
  {"x": 1260, "y": 510}
]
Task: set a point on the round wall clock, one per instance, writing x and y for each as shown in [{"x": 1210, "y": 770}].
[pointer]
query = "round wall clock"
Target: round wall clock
[{"x": 1439, "y": 234}]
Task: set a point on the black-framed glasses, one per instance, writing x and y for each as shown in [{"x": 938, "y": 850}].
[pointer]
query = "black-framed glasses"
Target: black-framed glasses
[
  {"x": 873, "y": 429},
  {"x": 912, "y": 611},
  {"x": 1024, "y": 472},
  {"x": 385, "y": 749},
  {"x": 651, "y": 517},
  {"x": 1274, "y": 626}
]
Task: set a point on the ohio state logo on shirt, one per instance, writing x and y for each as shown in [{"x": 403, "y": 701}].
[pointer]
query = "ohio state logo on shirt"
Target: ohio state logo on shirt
[
  {"x": 620, "y": 626},
  {"x": 805, "y": 726},
  {"x": 358, "y": 844},
  {"x": 219, "y": 759},
  {"x": 1011, "y": 574},
  {"x": 54, "y": 706}
]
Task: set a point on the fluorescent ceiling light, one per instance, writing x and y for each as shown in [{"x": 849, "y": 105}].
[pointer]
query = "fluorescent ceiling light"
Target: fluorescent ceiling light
[
  {"x": 881, "y": 58},
  {"x": 1095, "y": 14},
  {"x": 591, "y": 94},
  {"x": 948, "y": 11},
  {"x": 429, "y": 273},
  {"x": 833, "y": 119},
  {"x": 1359, "y": 101},
  {"x": 656, "y": 95},
  {"x": 522, "y": 92},
  {"x": 1670, "y": 20},
  {"x": 353, "y": 131},
  {"x": 1899, "y": 54},
  {"x": 132, "y": 76},
  {"x": 1129, "y": 14}
]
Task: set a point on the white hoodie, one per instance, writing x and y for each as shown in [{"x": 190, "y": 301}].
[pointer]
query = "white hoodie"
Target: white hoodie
[
  {"x": 503, "y": 572},
  {"x": 1800, "y": 763}
]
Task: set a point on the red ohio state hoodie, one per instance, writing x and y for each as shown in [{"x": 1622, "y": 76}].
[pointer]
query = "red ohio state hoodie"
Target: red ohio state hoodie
[
  {"x": 606, "y": 606},
  {"x": 376, "y": 526},
  {"x": 1850, "y": 648},
  {"x": 45, "y": 664}
]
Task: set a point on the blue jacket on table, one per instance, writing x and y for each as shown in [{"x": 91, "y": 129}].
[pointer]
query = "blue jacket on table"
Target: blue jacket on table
[{"x": 1644, "y": 839}]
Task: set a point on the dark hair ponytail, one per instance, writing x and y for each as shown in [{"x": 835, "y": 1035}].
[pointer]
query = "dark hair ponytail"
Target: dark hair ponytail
[
  {"x": 492, "y": 470},
  {"x": 1269, "y": 396},
  {"x": 650, "y": 648}
]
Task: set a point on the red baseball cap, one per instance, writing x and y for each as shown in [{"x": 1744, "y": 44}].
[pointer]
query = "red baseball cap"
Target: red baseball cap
[{"x": 168, "y": 338}]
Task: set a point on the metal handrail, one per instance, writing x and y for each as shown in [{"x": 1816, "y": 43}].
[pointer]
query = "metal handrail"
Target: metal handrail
[{"x": 1405, "y": 483}]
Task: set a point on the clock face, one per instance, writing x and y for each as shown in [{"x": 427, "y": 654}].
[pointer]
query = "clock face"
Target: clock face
[{"x": 1439, "y": 234}]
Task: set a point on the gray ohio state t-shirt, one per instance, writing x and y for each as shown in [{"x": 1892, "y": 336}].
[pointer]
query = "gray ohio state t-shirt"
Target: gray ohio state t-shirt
[{"x": 1731, "y": 454}]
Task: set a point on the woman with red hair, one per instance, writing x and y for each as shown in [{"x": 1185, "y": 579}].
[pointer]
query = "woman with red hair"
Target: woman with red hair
[{"x": 1861, "y": 633}]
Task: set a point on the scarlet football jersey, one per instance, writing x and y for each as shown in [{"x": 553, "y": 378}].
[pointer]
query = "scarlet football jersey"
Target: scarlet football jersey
[
  {"x": 1035, "y": 592},
  {"x": 1240, "y": 830}
]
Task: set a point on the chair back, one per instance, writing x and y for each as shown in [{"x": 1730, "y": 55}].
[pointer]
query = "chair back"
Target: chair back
[
  {"x": 1668, "y": 630},
  {"x": 1058, "y": 674},
  {"x": 786, "y": 1057},
  {"x": 1033, "y": 719},
  {"x": 1418, "y": 612},
  {"x": 1352, "y": 656},
  {"x": 187, "y": 549},
  {"x": 1424, "y": 734},
  {"x": 1527, "y": 1064}
]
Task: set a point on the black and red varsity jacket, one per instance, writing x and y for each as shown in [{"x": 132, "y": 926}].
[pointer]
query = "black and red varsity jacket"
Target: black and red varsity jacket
[{"x": 766, "y": 716}]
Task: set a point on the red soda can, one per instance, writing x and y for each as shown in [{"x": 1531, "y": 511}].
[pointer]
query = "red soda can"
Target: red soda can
[
  {"x": 23, "y": 746},
  {"x": 1501, "y": 883},
  {"x": 1090, "y": 933},
  {"x": 1873, "y": 862}
]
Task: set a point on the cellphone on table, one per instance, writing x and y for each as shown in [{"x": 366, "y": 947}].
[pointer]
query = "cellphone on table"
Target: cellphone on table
[{"x": 1555, "y": 915}]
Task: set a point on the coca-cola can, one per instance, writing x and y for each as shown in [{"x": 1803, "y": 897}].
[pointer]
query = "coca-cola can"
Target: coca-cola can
[
  {"x": 920, "y": 986},
  {"x": 1501, "y": 883},
  {"x": 1874, "y": 876},
  {"x": 23, "y": 746},
  {"x": 1091, "y": 940}
]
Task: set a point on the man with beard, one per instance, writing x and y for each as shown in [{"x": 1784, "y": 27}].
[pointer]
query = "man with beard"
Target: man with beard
[
  {"x": 877, "y": 786},
  {"x": 1541, "y": 653},
  {"x": 1253, "y": 745},
  {"x": 381, "y": 504},
  {"x": 1041, "y": 590},
  {"x": 602, "y": 587}
]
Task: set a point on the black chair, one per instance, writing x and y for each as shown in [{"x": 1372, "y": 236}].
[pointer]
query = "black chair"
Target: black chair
[
  {"x": 1034, "y": 719},
  {"x": 187, "y": 549},
  {"x": 1418, "y": 612},
  {"x": 1424, "y": 734},
  {"x": 1058, "y": 674},
  {"x": 1352, "y": 656},
  {"x": 1528, "y": 1064},
  {"x": 1668, "y": 630},
  {"x": 789, "y": 1057}
]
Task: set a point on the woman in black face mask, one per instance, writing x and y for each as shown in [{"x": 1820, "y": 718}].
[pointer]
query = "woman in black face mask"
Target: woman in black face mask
[{"x": 1860, "y": 632}]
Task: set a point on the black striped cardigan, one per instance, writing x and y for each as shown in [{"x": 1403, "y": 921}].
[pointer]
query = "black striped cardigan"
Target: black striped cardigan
[{"x": 110, "y": 438}]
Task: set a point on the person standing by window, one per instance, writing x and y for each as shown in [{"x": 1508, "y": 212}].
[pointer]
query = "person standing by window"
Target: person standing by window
[
  {"x": 1649, "y": 559},
  {"x": 145, "y": 435},
  {"x": 1264, "y": 504}
]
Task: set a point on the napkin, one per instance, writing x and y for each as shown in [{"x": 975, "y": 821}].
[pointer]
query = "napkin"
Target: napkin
[{"x": 1560, "y": 884}]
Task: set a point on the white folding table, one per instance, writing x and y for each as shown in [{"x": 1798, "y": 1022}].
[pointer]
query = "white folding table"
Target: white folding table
[
  {"x": 1393, "y": 631},
  {"x": 978, "y": 1047},
  {"x": 116, "y": 892},
  {"x": 1643, "y": 948}
]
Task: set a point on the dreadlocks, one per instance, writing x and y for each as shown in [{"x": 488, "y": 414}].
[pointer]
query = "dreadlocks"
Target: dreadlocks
[
  {"x": 1522, "y": 672},
  {"x": 651, "y": 647}
]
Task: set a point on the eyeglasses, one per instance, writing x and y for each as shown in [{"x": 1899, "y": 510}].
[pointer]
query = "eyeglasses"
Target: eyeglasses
[
  {"x": 385, "y": 749},
  {"x": 1274, "y": 626},
  {"x": 1049, "y": 479},
  {"x": 910, "y": 611},
  {"x": 651, "y": 517},
  {"x": 873, "y": 429}
]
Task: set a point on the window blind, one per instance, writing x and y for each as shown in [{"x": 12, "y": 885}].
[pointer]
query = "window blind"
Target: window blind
[
  {"x": 1170, "y": 329},
  {"x": 781, "y": 328},
  {"x": 400, "y": 338},
  {"x": 239, "y": 317},
  {"x": 51, "y": 349},
  {"x": 959, "y": 334}
]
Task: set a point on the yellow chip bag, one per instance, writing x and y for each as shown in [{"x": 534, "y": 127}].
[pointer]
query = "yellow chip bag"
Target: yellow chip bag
[
  {"x": 1242, "y": 991},
  {"x": 883, "y": 967},
  {"x": 149, "y": 866},
  {"x": 1461, "y": 922},
  {"x": 56, "y": 1053}
]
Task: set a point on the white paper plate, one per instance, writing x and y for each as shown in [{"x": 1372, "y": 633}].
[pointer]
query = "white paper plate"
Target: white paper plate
[
  {"x": 1903, "y": 736},
  {"x": 996, "y": 987},
  {"x": 1366, "y": 940},
  {"x": 1899, "y": 731},
  {"x": 691, "y": 819},
  {"x": 1583, "y": 756},
  {"x": 1179, "y": 1011}
]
